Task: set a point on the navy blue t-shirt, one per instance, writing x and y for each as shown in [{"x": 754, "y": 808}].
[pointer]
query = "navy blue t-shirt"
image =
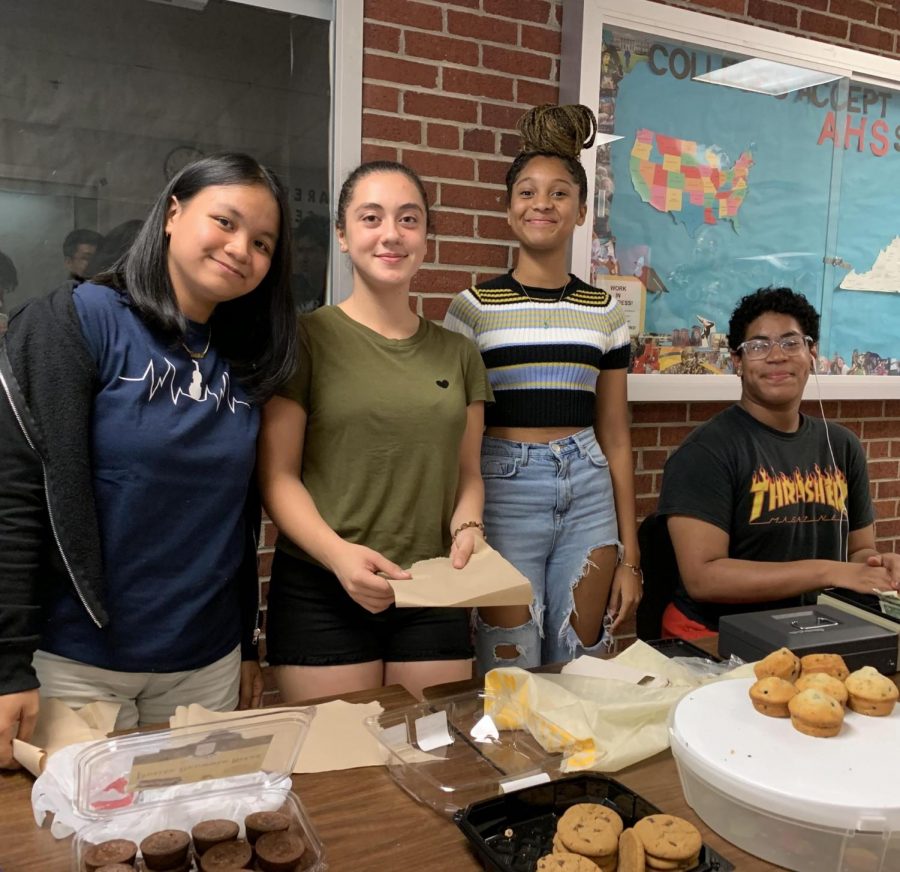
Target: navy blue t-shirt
[{"x": 173, "y": 448}]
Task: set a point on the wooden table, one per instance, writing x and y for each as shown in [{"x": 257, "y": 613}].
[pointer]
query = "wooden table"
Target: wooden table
[{"x": 366, "y": 822}]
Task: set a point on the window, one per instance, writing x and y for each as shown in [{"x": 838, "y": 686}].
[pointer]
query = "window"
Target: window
[
  {"x": 104, "y": 100},
  {"x": 704, "y": 192}
]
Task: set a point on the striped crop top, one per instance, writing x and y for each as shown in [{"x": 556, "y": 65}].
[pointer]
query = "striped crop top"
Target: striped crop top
[{"x": 543, "y": 352}]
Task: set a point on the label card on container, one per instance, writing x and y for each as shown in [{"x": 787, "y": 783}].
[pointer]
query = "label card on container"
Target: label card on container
[
  {"x": 524, "y": 781},
  {"x": 396, "y": 736},
  {"x": 432, "y": 731},
  {"x": 485, "y": 730},
  {"x": 221, "y": 755}
]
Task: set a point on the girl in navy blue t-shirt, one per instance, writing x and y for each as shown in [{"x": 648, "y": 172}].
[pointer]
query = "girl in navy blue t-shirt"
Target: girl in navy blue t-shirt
[{"x": 132, "y": 408}]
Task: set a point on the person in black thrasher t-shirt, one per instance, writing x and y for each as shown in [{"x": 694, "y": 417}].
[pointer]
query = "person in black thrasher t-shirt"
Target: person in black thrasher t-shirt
[{"x": 764, "y": 503}]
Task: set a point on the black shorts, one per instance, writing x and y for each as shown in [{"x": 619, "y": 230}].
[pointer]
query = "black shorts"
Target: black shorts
[{"x": 312, "y": 621}]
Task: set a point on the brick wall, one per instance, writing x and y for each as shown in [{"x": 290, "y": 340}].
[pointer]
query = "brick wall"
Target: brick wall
[
  {"x": 659, "y": 427},
  {"x": 444, "y": 82},
  {"x": 866, "y": 25},
  {"x": 447, "y": 106}
]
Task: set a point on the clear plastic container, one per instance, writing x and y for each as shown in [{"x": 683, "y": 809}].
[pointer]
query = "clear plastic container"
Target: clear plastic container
[
  {"x": 476, "y": 758},
  {"x": 807, "y": 804},
  {"x": 142, "y": 783}
]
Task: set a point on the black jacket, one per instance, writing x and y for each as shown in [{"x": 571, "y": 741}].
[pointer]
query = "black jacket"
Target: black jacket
[{"x": 49, "y": 535}]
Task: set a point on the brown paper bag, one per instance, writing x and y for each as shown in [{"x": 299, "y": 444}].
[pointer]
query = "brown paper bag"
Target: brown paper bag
[
  {"x": 58, "y": 726},
  {"x": 488, "y": 579}
]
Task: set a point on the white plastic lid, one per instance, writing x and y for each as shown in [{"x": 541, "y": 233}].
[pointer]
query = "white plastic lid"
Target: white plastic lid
[
  {"x": 249, "y": 752},
  {"x": 847, "y": 782}
]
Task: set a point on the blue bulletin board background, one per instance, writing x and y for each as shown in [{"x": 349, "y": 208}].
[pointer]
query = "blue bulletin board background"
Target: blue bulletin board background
[{"x": 713, "y": 192}]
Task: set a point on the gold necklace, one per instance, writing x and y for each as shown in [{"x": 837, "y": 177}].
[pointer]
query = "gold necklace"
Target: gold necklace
[
  {"x": 531, "y": 299},
  {"x": 199, "y": 355}
]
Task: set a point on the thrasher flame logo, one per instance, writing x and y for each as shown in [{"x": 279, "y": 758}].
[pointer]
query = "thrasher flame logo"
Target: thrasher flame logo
[{"x": 777, "y": 491}]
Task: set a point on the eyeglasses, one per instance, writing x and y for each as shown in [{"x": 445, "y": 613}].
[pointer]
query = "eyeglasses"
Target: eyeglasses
[{"x": 757, "y": 349}]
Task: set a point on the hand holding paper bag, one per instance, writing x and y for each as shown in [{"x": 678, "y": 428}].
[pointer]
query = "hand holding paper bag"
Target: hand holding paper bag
[
  {"x": 58, "y": 726},
  {"x": 488, "y": 579}
]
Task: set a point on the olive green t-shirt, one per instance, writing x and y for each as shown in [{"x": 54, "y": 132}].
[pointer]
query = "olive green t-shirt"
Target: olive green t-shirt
[{"x": 385, "y": 418}]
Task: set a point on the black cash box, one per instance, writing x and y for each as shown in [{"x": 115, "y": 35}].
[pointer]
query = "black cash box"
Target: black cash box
[{"x": 809, "y": 630}]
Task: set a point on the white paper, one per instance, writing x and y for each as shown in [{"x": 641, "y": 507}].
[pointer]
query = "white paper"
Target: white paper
[
  {"x": 524, "y": 781},
  {"x": 396, "y": 736},
  {"x": 485, "y": 730},
  {"x": 432, "y": 731},
  {"x": 594, "y": 667},
  {"x": 884, "y": 275}
]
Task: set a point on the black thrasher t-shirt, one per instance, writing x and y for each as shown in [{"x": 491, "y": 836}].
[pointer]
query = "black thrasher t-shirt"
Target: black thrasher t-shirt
[{"x": 779, "y": 496}]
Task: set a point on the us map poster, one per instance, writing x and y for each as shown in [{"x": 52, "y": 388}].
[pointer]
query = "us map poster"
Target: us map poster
[{"x": 712, "y": 192}]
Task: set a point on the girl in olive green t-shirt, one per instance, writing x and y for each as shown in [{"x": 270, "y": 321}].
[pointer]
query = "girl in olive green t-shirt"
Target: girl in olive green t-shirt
[{"x": 369, "y": 461}]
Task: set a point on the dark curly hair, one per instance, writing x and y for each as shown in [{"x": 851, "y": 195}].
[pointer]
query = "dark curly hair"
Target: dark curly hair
[{"x": 782, "y": 301}]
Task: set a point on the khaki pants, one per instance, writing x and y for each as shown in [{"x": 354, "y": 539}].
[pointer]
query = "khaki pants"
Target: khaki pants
[{"x": 145, "y": 697}]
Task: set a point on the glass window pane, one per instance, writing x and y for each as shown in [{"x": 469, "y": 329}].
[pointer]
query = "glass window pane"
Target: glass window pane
[
  {"x": 104, "y": 100},
  {"x": 710, "y": 193}
]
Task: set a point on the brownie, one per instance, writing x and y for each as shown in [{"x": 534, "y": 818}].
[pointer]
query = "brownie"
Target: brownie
[
  {"x": 209, "y": 833},
  {"x": 279, "y": 852},
  {"x": 265, "y": 822},
  {"x": 227, "y": 856},
  {"x": 167, "y": 849},
  {"x": 109, "y": 852}
]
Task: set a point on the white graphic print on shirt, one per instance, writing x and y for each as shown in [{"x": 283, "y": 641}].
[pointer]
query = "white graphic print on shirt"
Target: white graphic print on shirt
[{"x": 197, "y": 391}]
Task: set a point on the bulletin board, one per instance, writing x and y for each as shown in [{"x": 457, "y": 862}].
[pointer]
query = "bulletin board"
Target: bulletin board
[{"x": 703, "y": 193}]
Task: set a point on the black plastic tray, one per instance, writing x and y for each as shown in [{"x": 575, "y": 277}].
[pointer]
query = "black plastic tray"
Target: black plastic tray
[
  {"x": 682, "y": 648},
  {"x": 511, "y": 832}
]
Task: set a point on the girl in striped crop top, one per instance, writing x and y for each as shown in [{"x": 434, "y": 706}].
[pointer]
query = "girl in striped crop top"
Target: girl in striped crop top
[{"x": 556, "y": 458}]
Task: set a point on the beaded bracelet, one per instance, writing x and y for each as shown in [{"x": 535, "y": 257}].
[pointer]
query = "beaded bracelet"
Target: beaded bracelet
[{"x": 468, "y": 525}]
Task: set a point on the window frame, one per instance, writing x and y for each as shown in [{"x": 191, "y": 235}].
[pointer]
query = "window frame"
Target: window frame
[
  {"x": 344, "y": 147},
  {"x": 580, "y": 67},
  {"x": 345, "y": 137}
]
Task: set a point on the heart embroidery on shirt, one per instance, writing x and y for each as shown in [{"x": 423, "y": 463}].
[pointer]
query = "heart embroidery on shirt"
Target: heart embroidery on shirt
[{"x": 442, "y": 383}]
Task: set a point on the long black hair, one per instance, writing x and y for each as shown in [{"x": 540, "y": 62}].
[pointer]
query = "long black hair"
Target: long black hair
[{"x": 255, "y": 333}]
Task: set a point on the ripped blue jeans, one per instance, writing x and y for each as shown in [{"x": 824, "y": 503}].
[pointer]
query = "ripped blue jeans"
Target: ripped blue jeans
[{"x": 547, "y": 506}]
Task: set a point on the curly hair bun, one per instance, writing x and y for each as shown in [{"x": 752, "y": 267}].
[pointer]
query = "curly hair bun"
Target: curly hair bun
[{"x": 562, "y": 130}]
